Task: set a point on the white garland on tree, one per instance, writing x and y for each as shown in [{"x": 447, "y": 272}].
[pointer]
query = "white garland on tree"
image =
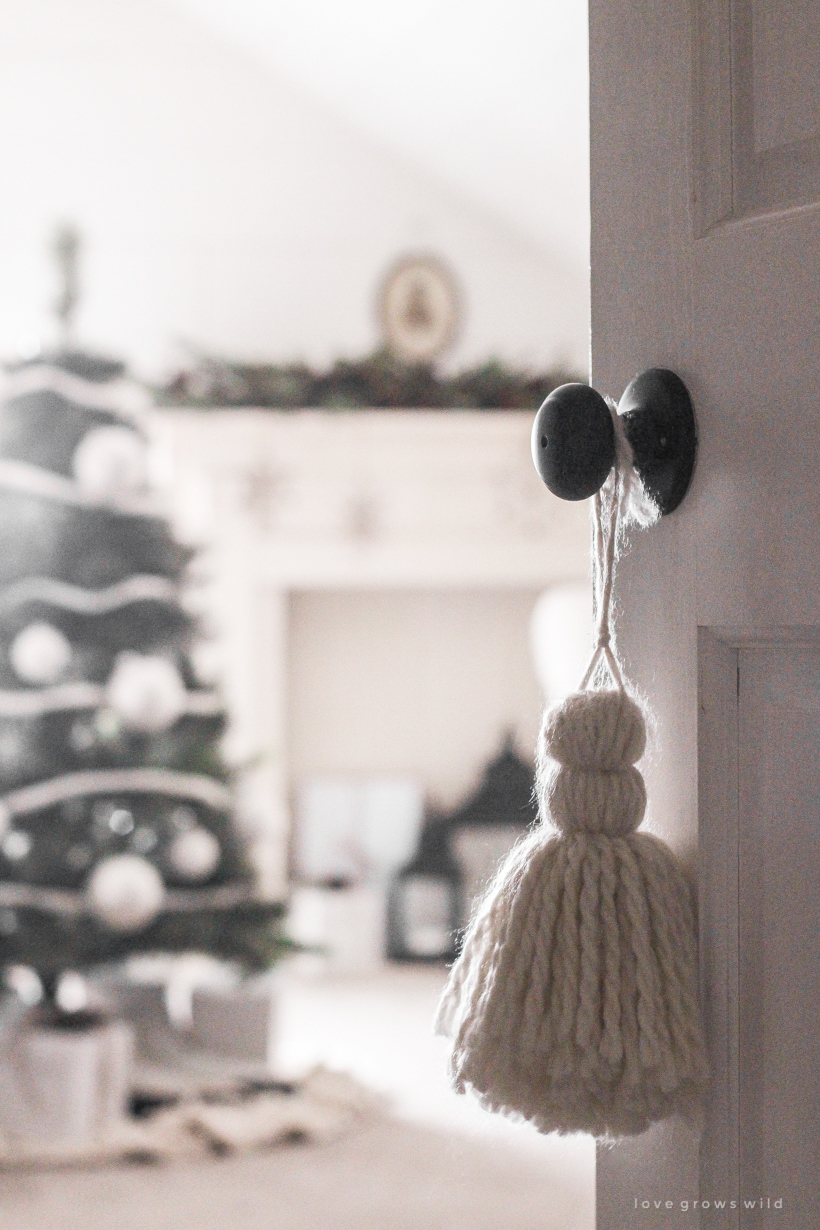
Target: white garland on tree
[
  {"x": 138, "y": 588},
  {"x": 114, "y": 781},
  {"x": 14, "y": 895},
  {"x": 72, "y": 696},
  {"x": 48, "y": 485},
  {"x": 120, "y": 396}
]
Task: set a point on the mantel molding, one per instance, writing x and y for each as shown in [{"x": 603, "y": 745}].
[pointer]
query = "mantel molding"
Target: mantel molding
[{"x": 320, "y": 499}]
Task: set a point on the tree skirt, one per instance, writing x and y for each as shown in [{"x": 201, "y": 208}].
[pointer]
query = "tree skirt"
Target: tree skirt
[{"x": 223, "y": 1117}]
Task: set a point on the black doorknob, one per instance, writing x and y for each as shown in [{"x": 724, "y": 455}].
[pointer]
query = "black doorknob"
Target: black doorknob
[{"x": 573, "y": 439}]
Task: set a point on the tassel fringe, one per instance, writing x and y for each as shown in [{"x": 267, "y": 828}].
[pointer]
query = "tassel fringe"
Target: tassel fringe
[{"x": 573, "y": 1003}]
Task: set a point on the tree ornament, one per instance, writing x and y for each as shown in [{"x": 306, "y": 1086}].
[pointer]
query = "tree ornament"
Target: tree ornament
[
  {"x": 125, "y": 892},
  {"x": 110, "y": 461},
  {"x": 195, "y": 854},
  {"x": 107, "y": 726},
  {"x": 121, "y": 822},
  {"x": 574, "y": 1003},
  {"x": 146, "y": 692},
  {"x": 40, "y": 654},
  {"x": 17, "y": 845},
  {"x": 81, "y": 736},
  {"x": 144, "y": 839},
  {"x": 183, "y": 818}
]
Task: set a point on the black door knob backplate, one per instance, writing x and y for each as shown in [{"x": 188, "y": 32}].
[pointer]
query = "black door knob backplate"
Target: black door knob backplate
[{"x": 573, "y": 439}]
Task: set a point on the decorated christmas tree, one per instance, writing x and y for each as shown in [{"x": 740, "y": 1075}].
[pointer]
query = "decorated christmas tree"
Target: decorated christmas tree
[{"x": 117, "y": 832}]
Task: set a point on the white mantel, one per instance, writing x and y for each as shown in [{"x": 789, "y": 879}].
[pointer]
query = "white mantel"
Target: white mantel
[{"x": 309, "y": 500}]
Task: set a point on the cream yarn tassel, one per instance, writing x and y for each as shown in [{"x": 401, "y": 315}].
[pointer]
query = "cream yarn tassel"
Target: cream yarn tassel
[{"x": 574, "y": 1002}]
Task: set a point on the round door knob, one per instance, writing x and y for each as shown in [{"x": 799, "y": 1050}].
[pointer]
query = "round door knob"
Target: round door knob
[
  {"x": 573, "y": 441},
  {"x": 659, "y": 423},
  {"x": 573, "y": 438}
]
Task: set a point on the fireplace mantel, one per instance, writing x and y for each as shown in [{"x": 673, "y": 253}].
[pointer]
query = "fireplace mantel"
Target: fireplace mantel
[{"x": 278, "y": 501}]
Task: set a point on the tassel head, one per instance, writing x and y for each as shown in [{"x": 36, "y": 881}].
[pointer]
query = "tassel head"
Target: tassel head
[
  {"x": 595, "y": 730},
  {"x": 591, "y": 801},
  {"x": 587, "y": 780}
]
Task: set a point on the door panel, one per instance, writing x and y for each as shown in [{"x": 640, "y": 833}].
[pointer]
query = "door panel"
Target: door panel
[
  {"x": 698, "y": 265},
  {"x": 779, "y": 972},
  {"x": 759, "y": 835},
  {"x": 756, "y": 107},
  {"x": 718, "y": 839}
]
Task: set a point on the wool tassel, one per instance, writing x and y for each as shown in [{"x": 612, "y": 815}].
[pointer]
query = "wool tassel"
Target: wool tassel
[{"x": 574, "y": 1002}]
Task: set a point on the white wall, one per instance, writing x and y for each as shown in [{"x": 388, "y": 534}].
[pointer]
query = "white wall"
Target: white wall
[
  {"x": 222, "y": 207},
  {"x": 424, "y": 683}
]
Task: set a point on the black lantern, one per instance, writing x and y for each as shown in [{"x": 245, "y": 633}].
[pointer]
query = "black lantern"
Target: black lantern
[
  {"x": 490, "y": 821},
  {"x": 424, "y": 904}
]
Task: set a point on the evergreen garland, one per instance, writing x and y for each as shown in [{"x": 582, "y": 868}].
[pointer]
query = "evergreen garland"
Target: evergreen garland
[{"x": 379, "y": 381}]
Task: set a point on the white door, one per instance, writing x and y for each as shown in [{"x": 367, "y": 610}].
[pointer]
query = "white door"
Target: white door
[{"x": 705, "y": 168}]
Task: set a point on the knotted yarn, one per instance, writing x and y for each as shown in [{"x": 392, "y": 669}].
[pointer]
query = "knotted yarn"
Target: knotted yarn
[{"x": 574, "y": 1001}]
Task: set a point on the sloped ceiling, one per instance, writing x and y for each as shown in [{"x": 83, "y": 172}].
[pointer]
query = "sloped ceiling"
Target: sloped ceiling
[{"x": 489, "y": 94}]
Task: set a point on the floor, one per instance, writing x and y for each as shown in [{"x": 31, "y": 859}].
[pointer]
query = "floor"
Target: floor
[
  {"x": 435, "y": 1162},
  {"x": 379, "y": 1028}
]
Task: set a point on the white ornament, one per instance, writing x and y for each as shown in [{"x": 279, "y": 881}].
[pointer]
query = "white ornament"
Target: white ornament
[
  {"x": 40, "y": 654},
  {"x": 146, "y": 691},
  {"x": 109, "y": 461},
  {"x": 194, "y": 854},
  {"x": 17, "y": 845},
  {"x": 125, "y": 892}
]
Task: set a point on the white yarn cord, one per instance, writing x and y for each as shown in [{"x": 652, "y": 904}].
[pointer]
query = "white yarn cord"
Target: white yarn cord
[
  {"x": 605, "y": 512},
  {"x": 622, "y": 500}
]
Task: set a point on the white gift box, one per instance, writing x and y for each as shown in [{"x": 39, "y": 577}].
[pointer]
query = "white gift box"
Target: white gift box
[
  {"x": 347, "y": 926},
  {"x": 68, "y": 1085},
  {"x": 144, "y": 1006},
  {"x": 234, "y": 1024},
  {"x": 224, "y": 1022},
  {"x": 355, "y": 829}
]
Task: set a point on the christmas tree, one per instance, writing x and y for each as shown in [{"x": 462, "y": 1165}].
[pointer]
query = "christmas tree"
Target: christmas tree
[{"x": 117, "y": 832}]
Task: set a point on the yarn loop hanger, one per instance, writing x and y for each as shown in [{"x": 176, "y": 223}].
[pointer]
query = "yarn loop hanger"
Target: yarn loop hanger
[{"x": 605, "y": 531}]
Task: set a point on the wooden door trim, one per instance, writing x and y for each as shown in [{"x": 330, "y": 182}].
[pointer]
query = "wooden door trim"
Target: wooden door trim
[
  {"x": 719, "y": 883},
  {"x": 718, "y": 899},
  {"x": 731, "y": 179}
]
